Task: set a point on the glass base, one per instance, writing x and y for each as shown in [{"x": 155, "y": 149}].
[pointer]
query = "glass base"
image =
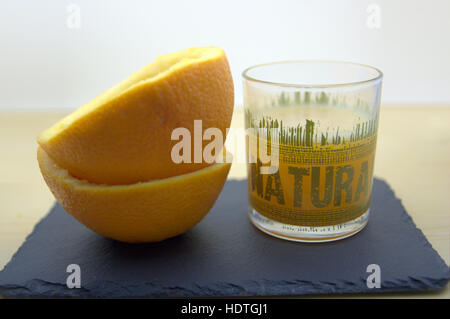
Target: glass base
[{"x": 306, "y": 233}]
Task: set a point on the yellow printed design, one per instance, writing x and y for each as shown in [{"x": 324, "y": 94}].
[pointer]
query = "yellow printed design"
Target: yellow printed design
[{"x": 317, "y": 184}]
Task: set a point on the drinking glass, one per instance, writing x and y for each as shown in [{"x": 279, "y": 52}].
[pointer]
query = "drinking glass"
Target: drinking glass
[{"x": 311, "y": 136}]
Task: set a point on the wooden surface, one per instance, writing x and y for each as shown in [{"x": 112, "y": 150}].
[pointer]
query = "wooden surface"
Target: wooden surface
[{"x": 413, "y": 156}]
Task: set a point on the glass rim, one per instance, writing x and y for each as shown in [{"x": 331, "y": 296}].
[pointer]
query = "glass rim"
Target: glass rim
[{"x": 379, "y": 74}]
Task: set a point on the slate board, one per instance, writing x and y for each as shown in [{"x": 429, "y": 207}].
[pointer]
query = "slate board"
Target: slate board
[{"x": 225, "y": 255}]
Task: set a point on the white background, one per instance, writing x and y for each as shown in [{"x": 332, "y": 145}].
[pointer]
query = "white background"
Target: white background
[{"x": 49, "y": 62}]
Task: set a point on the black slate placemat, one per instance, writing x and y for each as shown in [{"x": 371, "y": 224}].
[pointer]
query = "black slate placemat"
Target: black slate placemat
[{"x": 225, "y": 255}]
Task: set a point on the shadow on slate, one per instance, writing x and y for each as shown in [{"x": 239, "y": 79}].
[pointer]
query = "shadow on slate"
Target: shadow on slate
[{"x": 224, "y": 255}]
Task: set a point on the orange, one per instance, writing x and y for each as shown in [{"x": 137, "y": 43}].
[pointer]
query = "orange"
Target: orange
[
  {"x": 140, "y": 212},
  {"x": 124, "y": 135}
]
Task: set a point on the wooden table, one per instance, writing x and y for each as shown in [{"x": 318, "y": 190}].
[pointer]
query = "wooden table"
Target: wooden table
[{"x": 413, "y": 155}]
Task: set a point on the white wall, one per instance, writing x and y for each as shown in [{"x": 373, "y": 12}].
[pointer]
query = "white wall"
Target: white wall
[{"x": 47, "y": 62}]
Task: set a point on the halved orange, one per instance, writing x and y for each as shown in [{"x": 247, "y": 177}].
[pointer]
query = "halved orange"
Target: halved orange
[
  {"x": 124, "y": 135},
  {"x": 141, "y": 212}
]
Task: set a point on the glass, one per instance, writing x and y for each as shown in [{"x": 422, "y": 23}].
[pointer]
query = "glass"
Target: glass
[{"x": 311, "y": 137}]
